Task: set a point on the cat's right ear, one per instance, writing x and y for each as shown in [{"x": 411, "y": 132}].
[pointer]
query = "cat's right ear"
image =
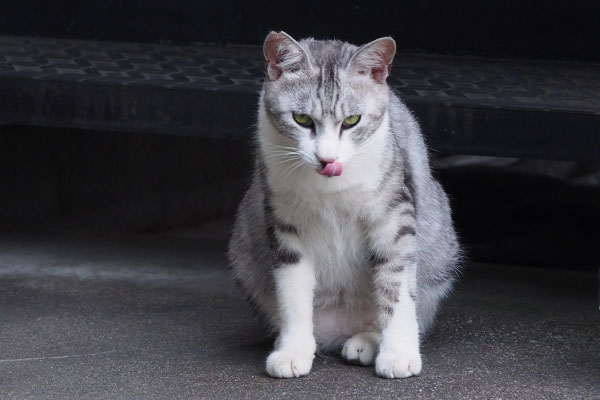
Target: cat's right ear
[{"x": 283, "y": 54}]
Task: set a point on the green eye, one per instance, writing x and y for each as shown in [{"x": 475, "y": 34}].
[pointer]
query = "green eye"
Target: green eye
[
  {"x": 302, "y": 119},
  {"x": 351, "y": 121}
]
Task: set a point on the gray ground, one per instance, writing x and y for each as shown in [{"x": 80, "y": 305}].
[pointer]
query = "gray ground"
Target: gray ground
[{"x": 153, "y": 316}]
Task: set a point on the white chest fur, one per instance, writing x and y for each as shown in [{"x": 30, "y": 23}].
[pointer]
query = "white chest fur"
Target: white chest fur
[{"x": 332, "y": 237}]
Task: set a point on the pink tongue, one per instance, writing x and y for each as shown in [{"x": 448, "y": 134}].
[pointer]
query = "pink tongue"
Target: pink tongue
[{"x": 332, "y": 169}]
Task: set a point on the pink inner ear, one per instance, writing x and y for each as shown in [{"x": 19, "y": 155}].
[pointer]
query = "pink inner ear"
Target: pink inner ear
[
  {"x": 375, "y": 58},
  {"x": 273, "y": 55},
  {"x": 271, "y": 47},
  {"x": 272, "y": 71},
  {"x": 379, "y": 74},
  {"x": 282, "y": 54}
]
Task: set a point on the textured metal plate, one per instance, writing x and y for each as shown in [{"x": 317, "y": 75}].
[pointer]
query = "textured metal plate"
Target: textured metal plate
[
  {"x": 478, "y": 106},
  {"x": 196, "y": 67},
  {"x": 454, "y": 80}
]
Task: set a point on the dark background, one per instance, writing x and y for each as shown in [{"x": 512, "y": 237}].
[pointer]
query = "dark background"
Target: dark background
[
  {"x": 554, "y": 29},
  {"x": 78, "y": 179}
]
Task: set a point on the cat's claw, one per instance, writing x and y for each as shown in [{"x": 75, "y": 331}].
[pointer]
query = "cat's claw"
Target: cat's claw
[
  {"x": 398, "y": 364},
  {"x": 289, "y": 364},
  {"x": 361, "y": 348}
]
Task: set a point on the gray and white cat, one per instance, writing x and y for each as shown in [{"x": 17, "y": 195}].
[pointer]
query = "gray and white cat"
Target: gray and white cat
[{"x": 344, "y": 240}]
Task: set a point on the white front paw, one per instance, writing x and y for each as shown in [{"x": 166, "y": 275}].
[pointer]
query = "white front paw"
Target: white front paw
[
  {"x": 398, "y": 363},
  {"x": 289, "y": 364},
  {"x": 361, "y": 348}
]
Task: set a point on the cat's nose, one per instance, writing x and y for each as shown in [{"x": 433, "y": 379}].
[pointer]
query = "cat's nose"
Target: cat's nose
[{"x": 325, "y": 160}]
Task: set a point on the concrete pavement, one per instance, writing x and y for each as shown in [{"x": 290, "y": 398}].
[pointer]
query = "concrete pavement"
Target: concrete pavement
[{"x": 154, "y": 316}]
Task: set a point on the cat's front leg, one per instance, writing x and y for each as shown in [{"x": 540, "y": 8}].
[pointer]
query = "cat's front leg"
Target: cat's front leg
[
  {"x": 394, "y": 262},
  {"x": 294, "y": 283}
]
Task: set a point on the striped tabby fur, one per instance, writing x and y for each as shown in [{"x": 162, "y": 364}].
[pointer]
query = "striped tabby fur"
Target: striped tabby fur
[{"x": 356, "y": 263}]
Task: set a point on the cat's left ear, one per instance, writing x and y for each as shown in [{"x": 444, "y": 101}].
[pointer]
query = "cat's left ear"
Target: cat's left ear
[
  {"x": 374, "y": 58},
  {"x": 283, "y": 54}
]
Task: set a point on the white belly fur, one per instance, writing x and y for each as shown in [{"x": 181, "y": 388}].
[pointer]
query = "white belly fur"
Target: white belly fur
[{"x": 333, "y": 240}]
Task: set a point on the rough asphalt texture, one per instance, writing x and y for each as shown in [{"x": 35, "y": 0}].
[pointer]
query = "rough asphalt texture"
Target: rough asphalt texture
[{"x": 89, "y": 316}]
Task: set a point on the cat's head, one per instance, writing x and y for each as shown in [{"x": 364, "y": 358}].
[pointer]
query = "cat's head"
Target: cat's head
[{"x": 326, "y": 98}]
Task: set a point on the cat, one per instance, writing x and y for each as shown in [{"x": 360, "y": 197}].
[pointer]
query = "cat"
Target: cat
[{"x": 344, "y": 241}]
